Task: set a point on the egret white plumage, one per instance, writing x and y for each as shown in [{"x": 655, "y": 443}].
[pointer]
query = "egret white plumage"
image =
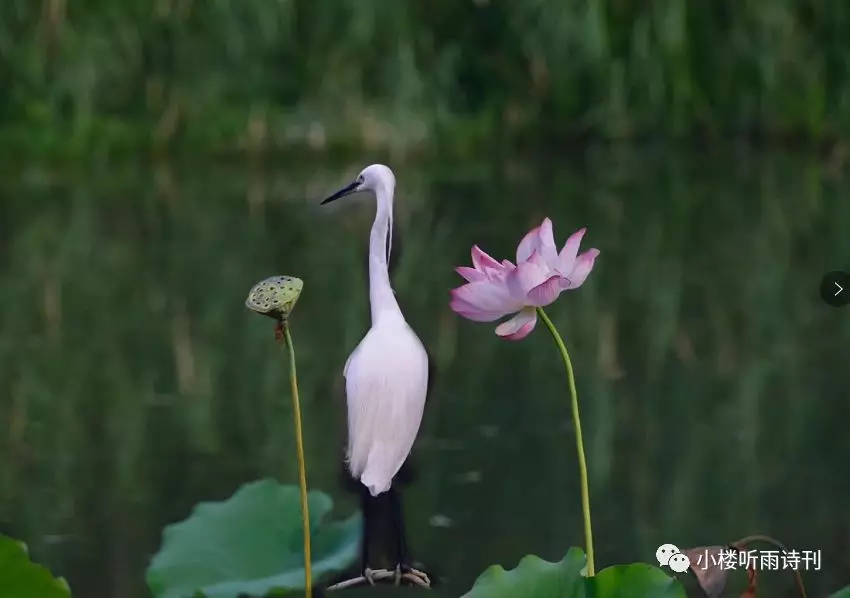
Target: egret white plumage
[{"x": 386, "y": 377}]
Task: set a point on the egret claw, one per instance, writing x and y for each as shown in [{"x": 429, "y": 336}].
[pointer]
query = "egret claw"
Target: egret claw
[
  {"x": 369, "y": 576},
  {"x": 417, "y": 577}
]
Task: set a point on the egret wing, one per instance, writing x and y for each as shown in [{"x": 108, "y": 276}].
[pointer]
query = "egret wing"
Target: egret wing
[{"x": 385, "y": 391}]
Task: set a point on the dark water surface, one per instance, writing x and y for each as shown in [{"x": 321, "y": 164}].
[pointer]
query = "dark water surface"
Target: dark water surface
[{"x": 714, "y": 382}]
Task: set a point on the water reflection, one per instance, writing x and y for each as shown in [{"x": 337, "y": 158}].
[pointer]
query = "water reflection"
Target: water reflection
[{"x": 713, "y": 380}]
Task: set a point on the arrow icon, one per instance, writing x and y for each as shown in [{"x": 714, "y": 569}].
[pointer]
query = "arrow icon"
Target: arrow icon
[{"x": 835, "y": 288}]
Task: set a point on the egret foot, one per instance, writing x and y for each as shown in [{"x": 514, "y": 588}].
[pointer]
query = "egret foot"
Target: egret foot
[
  {"x": 370, "y": 576},
  {"x": 367, "y": 576},
  {"x": 414, "y": 576}
]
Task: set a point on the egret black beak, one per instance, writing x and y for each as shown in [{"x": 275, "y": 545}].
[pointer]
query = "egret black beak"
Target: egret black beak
[{"x": 347, "y": 190}]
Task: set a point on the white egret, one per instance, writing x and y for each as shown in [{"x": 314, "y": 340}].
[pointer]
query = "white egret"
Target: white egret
[{"x": 386, "y": 379}]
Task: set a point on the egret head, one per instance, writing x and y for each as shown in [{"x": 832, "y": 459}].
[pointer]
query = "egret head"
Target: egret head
[{"x": 371, "y": 178}]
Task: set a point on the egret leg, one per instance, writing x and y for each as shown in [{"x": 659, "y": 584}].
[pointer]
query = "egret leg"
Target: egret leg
[
  {"x": 366, "y": 505},
  {"x": 397, "y": 514},
  {"x": 403, "y": 569}
]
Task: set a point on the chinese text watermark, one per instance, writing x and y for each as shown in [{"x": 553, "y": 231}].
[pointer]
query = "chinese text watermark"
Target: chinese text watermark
[{"x": 669, "y": 555}]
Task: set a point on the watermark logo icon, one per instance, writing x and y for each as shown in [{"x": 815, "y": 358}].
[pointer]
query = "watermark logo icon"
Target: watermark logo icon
[{"x": 668, "y": 555}]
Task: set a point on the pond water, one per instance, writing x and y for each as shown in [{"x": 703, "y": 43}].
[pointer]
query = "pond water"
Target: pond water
[{"x": 714, "y": 381}]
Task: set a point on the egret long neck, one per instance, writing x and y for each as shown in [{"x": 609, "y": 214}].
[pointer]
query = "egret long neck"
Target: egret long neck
[{"x": 381, "y": 296}]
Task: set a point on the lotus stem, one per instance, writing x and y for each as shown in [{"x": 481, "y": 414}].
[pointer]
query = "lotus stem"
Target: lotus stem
[
  {"x": 582, "y": 463},
  {"x": 302, "y": 468}
]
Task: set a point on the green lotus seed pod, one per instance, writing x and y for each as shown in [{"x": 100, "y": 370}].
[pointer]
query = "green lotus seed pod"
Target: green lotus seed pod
[{"x": 275, "y": 296}]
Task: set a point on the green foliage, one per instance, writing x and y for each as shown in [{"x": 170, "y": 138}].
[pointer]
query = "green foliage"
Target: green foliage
[
  {"x": 103, "y": 76},
  {"x": 536, "y": 578},
  {"x": 250, "y": 545},
  {"x": 637, "y": 580},
  {"x": 842, "y": 593},
  {"x": 21, "y": 578},
  {"x": 533, "y": 578}
]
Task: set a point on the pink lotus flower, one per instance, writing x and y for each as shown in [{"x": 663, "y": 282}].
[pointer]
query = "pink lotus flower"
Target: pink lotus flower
[{"x": 497, "y": 289}]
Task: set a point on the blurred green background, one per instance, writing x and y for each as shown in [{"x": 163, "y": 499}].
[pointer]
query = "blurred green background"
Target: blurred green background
[
  {"x": 156, "y": 165},
  {"x": 97, "y": 76}
]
